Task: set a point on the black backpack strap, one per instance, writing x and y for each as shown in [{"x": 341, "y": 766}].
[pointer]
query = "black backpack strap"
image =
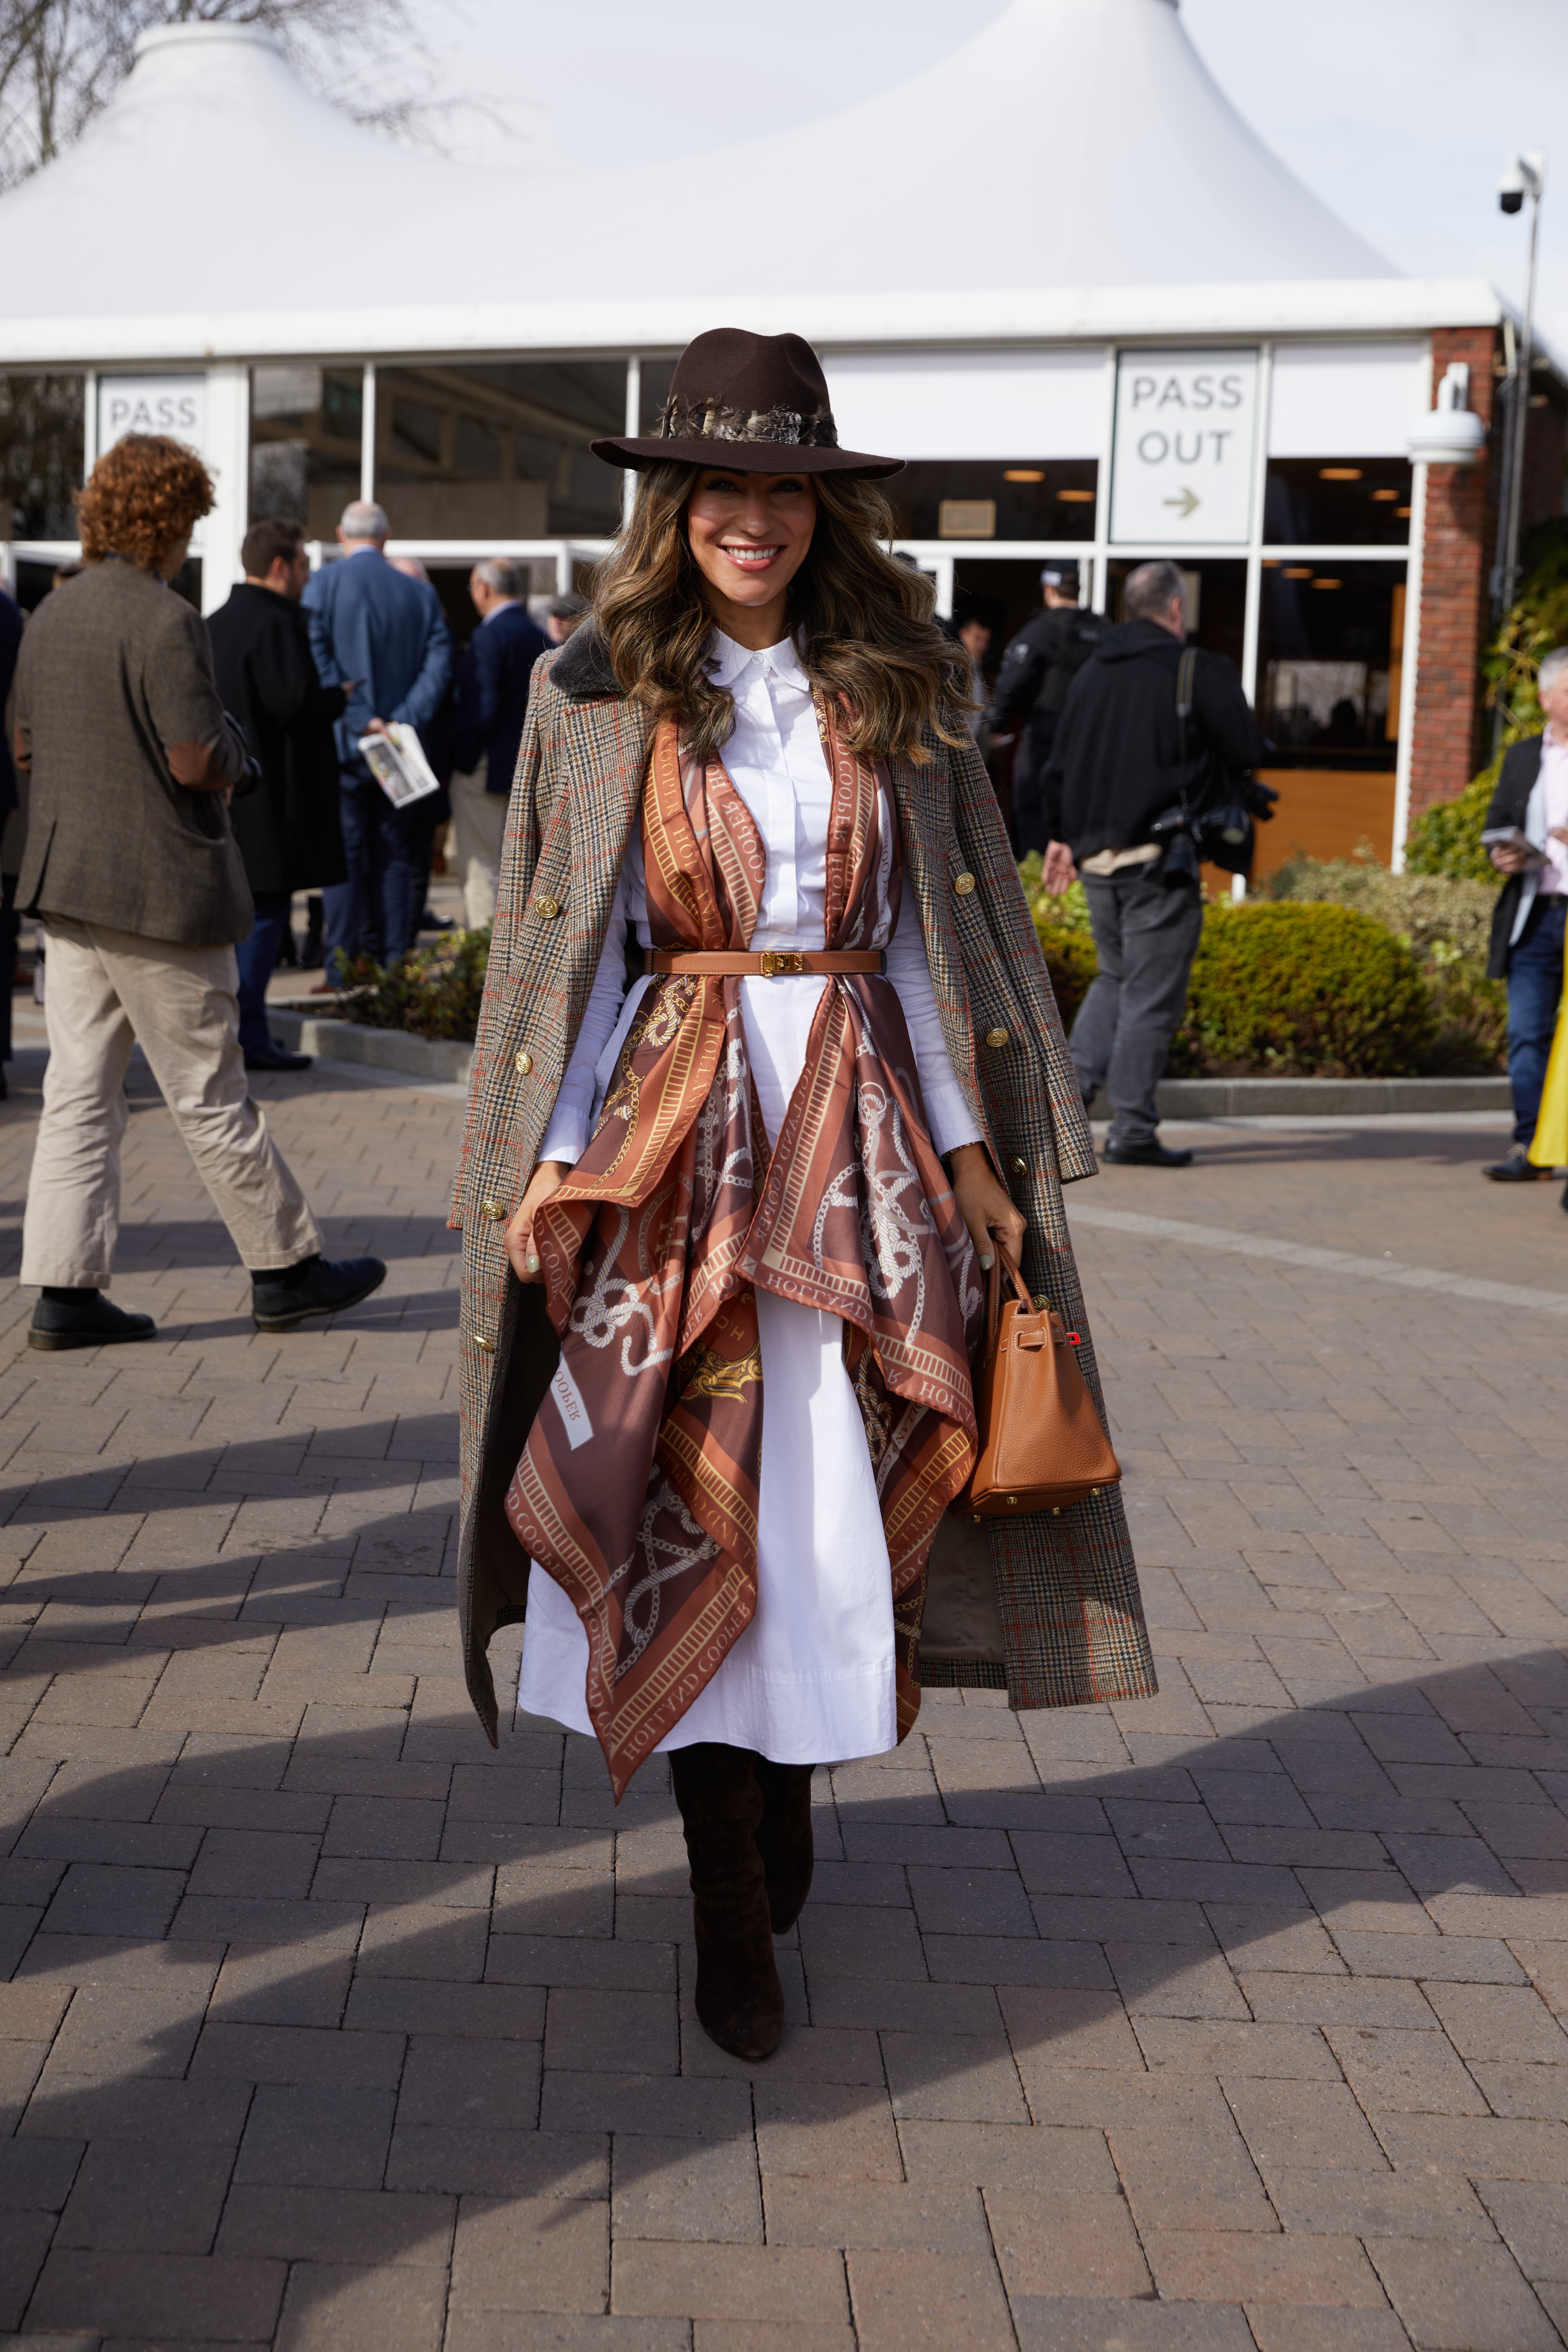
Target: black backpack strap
[{"x": 1186, "y": 669}]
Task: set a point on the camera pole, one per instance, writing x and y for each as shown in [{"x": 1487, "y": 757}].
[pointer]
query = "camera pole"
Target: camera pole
[{"x": 1526, "y": 177}]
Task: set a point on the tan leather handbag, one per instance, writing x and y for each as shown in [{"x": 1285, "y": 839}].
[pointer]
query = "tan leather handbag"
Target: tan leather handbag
[{"x": 1041, "y": 1443}]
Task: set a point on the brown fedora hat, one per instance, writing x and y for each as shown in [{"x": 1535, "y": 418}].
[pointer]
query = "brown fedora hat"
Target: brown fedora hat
[{"x": 758, "y": 403}]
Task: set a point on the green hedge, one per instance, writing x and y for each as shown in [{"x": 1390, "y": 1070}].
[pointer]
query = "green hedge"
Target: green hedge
[
  {"x": 1446, "y": 919},
  {"x": 1303, "y": 990},
  {"x": 1446, "y": 838}
]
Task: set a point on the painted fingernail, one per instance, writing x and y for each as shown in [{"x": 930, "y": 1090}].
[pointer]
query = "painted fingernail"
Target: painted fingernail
[
  {"x": 531, "y": 1263},
  {"x": 984, "y": 1265}
]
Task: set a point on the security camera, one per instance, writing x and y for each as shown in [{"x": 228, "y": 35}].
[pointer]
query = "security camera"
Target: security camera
[{"x": 1525, "y": 176}]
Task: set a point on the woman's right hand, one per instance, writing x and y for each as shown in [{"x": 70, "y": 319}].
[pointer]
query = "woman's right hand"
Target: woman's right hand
[{"x": 521, "y": 1248}]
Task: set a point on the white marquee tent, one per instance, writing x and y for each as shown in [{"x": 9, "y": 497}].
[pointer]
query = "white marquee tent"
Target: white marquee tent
[{"x": 1151, "y": 241}]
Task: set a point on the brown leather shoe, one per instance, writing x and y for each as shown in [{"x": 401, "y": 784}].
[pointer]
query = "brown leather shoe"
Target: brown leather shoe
[
  {"x": 740, "y": 2001},
  {"x": 784, "y": 1840}
]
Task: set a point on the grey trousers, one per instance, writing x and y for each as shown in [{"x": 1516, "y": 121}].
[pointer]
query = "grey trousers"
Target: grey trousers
[{"x": 1146, "y": 936}]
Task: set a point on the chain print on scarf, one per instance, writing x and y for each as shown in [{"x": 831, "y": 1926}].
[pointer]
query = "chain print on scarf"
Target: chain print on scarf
[{"x": 674, "y": 1218}]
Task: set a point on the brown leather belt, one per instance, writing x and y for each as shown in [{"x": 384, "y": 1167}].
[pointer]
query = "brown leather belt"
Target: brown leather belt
[{"x": 772, "y": 963}]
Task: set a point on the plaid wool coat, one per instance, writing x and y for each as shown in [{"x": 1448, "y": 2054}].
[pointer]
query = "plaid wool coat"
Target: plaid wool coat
[{"x": 1072, "y": 1618}]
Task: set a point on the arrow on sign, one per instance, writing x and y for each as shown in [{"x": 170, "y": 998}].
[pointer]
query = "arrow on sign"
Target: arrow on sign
[{"x": 1188, "y": 503}]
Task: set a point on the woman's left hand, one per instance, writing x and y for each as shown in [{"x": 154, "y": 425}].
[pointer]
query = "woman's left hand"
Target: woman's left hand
[{"x": 993, "y": 1222}]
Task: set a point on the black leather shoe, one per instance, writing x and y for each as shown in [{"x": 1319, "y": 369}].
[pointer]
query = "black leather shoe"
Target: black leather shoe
[
  {"x": 1145, "y": 1155},
  {"x": 321, "y": 1286},
  {"x": 1515, "y": 1167},
  {"x": 277, "y": 1057},
  {"x": 84, "y": 1319}
]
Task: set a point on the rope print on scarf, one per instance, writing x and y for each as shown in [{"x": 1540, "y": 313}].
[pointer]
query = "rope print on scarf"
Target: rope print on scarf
[{"x": 637, "y": 1488}]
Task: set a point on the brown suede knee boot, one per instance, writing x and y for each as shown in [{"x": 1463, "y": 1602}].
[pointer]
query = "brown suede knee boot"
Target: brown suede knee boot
[
  {"x": 740, "y": 2001},
  {"x": 783, "y": 1838}
]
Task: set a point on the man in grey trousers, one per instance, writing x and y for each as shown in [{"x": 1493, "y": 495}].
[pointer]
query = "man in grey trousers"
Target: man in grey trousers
[
  {"x": 132, "y": 869},
  {"x": 1115, "y": 767}
]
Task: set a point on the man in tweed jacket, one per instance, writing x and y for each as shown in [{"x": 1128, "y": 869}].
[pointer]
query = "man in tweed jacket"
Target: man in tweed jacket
[{"x": 1071, "y": 1619}]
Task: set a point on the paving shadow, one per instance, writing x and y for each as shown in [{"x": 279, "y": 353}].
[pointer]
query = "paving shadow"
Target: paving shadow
[{"x": 330, "y": 1982}]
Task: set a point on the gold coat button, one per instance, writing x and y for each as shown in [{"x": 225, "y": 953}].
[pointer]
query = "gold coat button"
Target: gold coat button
[
  {"x": 963, "y": 883},
  {"x": 485, "y": 1347},
  {"x": 997, "y": 1037},
  {"x": 1020, "y": 1167},
  {"x": 547, "y": 908},
  {"x": 522, "y": 1064},
  {"x": 494, "y": 1210}
]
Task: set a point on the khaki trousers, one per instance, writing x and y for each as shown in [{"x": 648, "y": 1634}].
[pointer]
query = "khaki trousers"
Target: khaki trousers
[
  {"x": 105, "y": 990},
  {"x": 478, "y": 822}
]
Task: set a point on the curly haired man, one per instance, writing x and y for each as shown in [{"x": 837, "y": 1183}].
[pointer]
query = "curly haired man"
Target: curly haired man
[{"x": 131, "y": 867}]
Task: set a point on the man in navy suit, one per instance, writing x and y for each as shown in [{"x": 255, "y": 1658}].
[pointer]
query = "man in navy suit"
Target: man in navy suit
[
  {"x": 1530, "y": 919},
  {"x": 492, "y": 701},
  {"x": 388, "y": 635}
]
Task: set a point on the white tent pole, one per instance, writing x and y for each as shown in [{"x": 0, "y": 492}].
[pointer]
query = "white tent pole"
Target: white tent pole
[
  {"x": 633, "y": 426},
  {"x": 367, "y": 434},
  {"x": 1409, "y": 666},
  {"x": 227, "y": 455}
]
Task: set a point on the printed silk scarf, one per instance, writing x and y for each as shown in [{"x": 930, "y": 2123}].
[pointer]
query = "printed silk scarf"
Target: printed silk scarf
[{"x": 637, "y": 1490}]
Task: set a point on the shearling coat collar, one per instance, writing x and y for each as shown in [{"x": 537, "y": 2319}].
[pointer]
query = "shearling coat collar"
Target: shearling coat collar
[{"x": 581, "y": 669}]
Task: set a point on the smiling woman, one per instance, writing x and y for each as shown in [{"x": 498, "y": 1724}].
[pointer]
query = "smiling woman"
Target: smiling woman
[{"x": 725, "y": 1224}]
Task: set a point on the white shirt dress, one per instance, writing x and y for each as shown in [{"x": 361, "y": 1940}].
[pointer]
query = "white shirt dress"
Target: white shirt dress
[{"x": 811, "y": 1680}]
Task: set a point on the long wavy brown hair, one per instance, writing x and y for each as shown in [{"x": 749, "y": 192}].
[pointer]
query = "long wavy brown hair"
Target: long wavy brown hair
[
  {"x": 862, "y": 620},
  {"x": 142, "y": 495}
]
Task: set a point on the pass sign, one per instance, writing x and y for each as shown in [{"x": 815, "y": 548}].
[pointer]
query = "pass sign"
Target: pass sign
[
  {"x": 173, "y": 404},
  {"x": 1187, "y": 425}
]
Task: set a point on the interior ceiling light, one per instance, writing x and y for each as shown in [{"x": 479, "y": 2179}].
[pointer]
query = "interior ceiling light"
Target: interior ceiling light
[
  {"x": 1025, "y": 474},
  {"x": 1076, "y": 498},
  {"x": 1403, "y": 512},
  {"x": 1297, "y": 572},
  {"x": 1328, "y": 584},
  {"x": 1382, "y": 495},
  {"x": 1339, "y": 473}
]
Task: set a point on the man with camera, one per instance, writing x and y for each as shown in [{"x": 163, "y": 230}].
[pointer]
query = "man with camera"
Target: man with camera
[{"x": 1148, "y": 742}]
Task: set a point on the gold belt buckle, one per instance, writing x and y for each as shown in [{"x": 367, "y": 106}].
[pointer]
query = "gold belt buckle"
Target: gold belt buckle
[{"x": 782, "y": 960}]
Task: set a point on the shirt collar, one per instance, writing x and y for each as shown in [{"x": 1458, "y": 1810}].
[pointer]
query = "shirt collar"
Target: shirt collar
[{"x": 727, "y": 661}]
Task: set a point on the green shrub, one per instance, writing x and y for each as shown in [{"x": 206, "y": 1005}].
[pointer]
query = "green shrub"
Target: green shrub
[
  {"x": 1071, "y": 962},
  {"x": 1447, "y": 837},
  {"x": 1446, "y": 919},
  {"x": 1067, "y": 941},
  {"x": 433, "y": 993},
  {"x": 1303, "y": 990}
]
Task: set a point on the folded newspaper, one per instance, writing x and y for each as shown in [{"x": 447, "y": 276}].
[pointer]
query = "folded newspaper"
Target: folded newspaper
[{"x": 398, "y": 762}]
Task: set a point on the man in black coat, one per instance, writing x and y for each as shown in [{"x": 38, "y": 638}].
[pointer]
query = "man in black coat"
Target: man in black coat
[
  {"x": 1531, "y": 798},
  {"x": 1031, "y": 689},
  {"x": 287, "y": 829},
  {"x": 1114, "y": 768}
]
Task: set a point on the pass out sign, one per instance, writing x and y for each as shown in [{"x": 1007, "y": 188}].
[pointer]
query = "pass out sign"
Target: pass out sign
[
  {"x": 174, "y": 404},
  {"x": 1186, "y": 424}
]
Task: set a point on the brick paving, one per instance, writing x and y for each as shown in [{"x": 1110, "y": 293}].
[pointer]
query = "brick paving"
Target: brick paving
[{"x": 1230, "y": 2019}]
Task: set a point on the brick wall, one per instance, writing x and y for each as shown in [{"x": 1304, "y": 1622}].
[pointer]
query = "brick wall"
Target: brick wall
[
  {"x": 1461, "y": 520},
  {"x": 1452, "y": 728}
]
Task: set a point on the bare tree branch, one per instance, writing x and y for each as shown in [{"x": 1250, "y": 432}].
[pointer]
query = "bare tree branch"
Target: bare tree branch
[{"x": 62, "y": 60}]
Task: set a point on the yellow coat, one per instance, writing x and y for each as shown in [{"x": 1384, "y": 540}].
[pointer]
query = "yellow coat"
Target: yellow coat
[{"x": 1549, "y": 1146}]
